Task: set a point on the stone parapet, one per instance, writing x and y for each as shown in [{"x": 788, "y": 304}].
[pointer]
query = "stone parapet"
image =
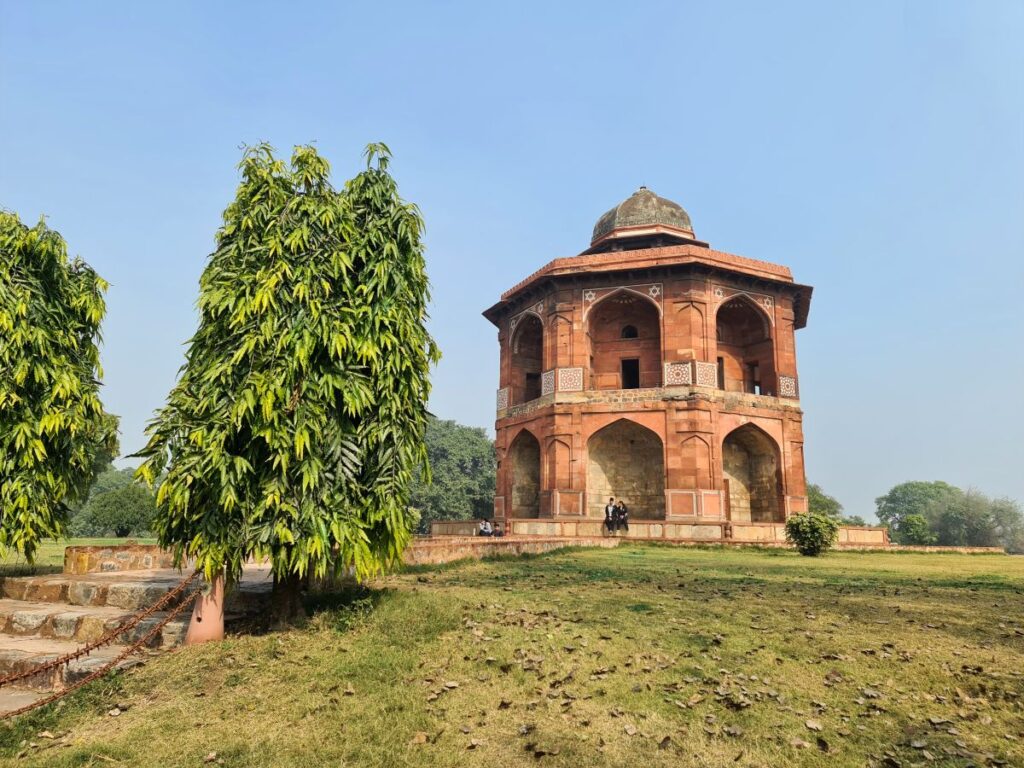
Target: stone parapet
[{"x": 653, "y": 395}]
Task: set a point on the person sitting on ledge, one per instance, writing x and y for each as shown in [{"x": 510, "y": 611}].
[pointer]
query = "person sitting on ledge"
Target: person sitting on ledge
[
  {"x": 498, "y": 532},
  {"x": 485, "y": 528},
  {"x": 621, "y": 515},
  {"x": 609, "y": 516}
]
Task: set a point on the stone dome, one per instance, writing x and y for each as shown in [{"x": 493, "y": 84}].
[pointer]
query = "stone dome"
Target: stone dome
[{"x": 643, "y": 212}]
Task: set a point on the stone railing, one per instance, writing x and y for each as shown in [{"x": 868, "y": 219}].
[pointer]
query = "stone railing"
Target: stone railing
[{"x": 648, "y": 394}]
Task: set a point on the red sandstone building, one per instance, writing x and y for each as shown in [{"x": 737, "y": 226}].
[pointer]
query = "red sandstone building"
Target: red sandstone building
[{"x": 653, "y": 369}]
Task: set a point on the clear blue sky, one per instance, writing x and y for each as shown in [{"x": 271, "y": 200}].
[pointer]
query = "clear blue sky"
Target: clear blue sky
[{"x": 877, "y": 148}]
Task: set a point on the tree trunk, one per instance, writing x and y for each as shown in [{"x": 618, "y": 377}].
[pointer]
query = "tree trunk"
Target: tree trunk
[
  {"x": 286, "y": 600},
  {"x": 208, "y": 615}
]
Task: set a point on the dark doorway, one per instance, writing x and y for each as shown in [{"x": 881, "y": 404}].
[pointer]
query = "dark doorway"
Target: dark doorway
[
  {"x": 532, "y": 388},
  {"x": 631, "y": 374}
]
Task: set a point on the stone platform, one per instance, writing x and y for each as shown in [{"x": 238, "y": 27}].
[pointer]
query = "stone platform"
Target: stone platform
[{"x": 694, "y": 531}]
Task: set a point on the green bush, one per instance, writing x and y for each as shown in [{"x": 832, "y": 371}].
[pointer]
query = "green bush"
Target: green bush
[{"x": 812, "y": 533}]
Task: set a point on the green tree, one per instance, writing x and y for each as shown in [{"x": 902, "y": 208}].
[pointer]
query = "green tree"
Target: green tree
[
  {"x": 972, "y": 519},
  {"x": 462, "y": 464},
  {"x": 913, "y": 529},
  {"x": 297, "y": 422},
  {"x": 912, "y": 498},
  {"x": 821, "y": 503},
  {"x": 127, "y": 510},
  {"x": 52, "y": 425}
]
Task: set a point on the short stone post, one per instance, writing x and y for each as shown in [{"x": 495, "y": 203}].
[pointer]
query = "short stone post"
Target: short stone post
[{"x": 208, "y": 614}]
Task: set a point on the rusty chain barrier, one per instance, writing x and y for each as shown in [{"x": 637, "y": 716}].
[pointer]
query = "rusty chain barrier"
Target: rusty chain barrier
[{"x": 107, "y": 639}]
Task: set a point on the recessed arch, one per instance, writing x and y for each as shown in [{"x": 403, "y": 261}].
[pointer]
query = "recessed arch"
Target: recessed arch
[
  {"x": 523, "y": 462},
  {"x": 619, "y": 292},
  {"x": 526, "y": 351},
  {"x": 626, "y": 460},
  {"x": 751, "y": 471},
  {"x": 617, "y": 360},
  {"x": 746, "y": 351}
]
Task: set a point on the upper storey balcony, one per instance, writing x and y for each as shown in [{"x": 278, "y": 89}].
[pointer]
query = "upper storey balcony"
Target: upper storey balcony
[{"x": 627, "y": 359}]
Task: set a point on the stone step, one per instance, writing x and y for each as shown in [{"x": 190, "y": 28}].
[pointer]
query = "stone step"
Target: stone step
[
  {"x": 84, "y": 624},
  {"x": 19, "y": 654},
  {"x": 127, "y": 590},
  {"x": 16, "y": 698}
]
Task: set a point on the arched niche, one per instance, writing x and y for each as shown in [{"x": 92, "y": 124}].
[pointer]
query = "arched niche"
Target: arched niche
[
  {"x": 523, "y": 462},
  {"x": 526, "y": 359},
  {"x": 626, "y": 461},
  {"x": 746, "y": 355},
  {"x": 624, "y": 335},
  {"x": 751, "y": 471}
]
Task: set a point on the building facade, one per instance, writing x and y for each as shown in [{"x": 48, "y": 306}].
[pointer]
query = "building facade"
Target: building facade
[{"x": 653, "y": 369}]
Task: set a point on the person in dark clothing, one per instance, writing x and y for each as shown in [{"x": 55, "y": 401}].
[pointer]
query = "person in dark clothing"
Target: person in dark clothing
[
  {"x": 621, "y": 515},
  {"x": 609, "y": 516}
]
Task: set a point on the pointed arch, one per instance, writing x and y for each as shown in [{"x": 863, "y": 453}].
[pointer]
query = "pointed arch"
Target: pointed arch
[
  {"x": 626, "y": 460},
  {"x": 752, "y": 475},
  {"x": 624, "y": 360},
  {"x": 523, "y": 461},
  {"x": 746, "y": 350},
  {"x": 526, "y": 355}
]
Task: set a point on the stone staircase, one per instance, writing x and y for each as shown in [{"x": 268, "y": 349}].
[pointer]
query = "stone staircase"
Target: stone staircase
[{"x": 46, "y": 616}]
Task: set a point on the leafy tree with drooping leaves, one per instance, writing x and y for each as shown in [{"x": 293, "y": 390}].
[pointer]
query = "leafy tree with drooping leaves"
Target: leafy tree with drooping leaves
[
  {"x": 297, "y": 423},
  {"x": 462, "y": 468},
  {"x": 52, "y": 424}
]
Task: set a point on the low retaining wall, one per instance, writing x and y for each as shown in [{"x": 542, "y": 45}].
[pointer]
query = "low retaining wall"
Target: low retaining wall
[
  {"x": 121, "y": 557},
  {"x": 431, "y": 551},
  {"x": 700, "y": 531},
  {"x": 454, "y": 527}
]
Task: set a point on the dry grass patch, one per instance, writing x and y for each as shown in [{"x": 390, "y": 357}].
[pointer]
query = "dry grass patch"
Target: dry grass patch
[{"x": 651, "y": 655}]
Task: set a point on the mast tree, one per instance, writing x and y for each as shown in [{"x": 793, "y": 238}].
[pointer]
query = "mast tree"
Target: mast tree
[
  {"x": 52, "y": 424},
  {"x": 298, "y": 419}
]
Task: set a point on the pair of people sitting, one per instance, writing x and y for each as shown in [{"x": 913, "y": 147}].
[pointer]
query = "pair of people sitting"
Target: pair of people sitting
[
  {"x": 616, "y": 515},
  {"x": 486, "y": 529}
]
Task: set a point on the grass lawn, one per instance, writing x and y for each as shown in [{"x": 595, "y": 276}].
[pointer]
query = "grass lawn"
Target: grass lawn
[
  {"x": 50, "y": 555},
  {"x": 644, "y": 655}
]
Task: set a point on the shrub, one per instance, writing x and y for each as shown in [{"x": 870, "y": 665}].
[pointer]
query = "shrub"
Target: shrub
[{"x": 812, "y": 533}]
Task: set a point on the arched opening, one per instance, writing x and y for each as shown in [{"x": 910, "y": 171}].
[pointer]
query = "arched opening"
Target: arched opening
[
  {"x": 626, "y": 461},
  {"x": 527, "y": 359},
  {"x": 750, "y": 468},
  {"x": 524, "y": 469},
  {"x": 746, "y": 360},
  {"x": 624, "y": 333}
]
